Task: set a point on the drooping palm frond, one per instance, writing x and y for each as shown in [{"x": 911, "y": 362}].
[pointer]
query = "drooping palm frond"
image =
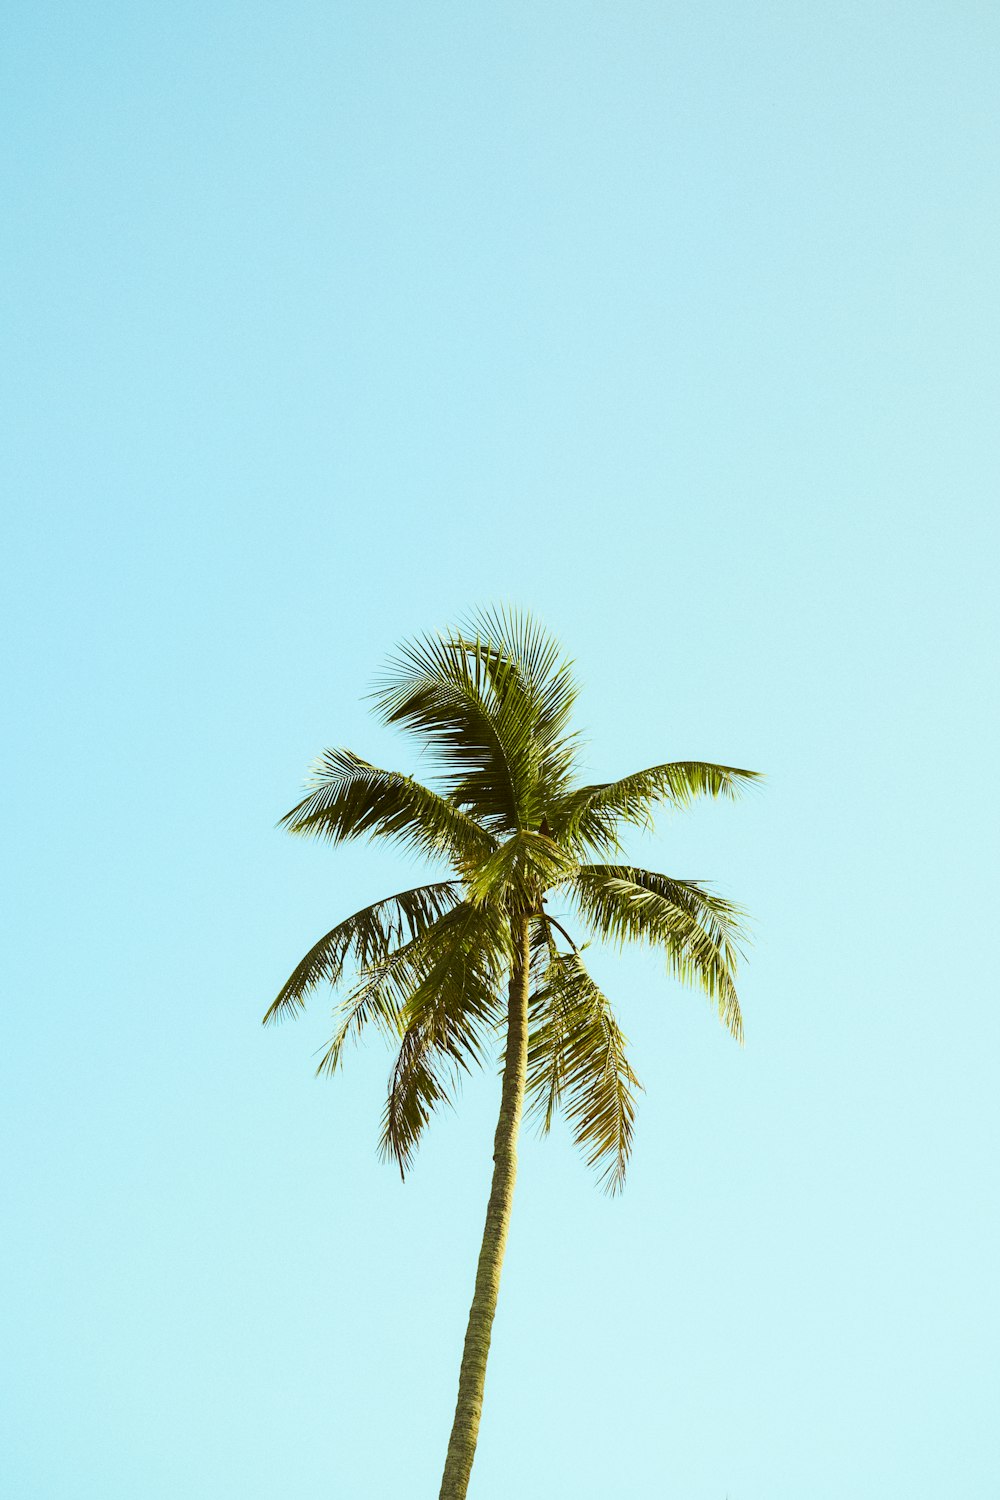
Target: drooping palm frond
[
  {"x": 698, "y": 931},
  {"x": 453, "y": 1005},
  {"x": 437, "y": 958},
  {"x": 367, "y": 937},
  {"x": 591, "y": 816},
  {"x": 422, "y": 1078},
  {"x": 350, "y": 797},
  {"x": 379, "y": 998},
  {"x": 577, "y": 1058}
]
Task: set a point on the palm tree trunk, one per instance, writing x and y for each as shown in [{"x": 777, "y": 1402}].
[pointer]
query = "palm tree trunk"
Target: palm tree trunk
[{"x": 472, "y": 1377}]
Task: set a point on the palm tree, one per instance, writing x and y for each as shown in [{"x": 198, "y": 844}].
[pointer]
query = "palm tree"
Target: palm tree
[{"x": 491, "y": 705}]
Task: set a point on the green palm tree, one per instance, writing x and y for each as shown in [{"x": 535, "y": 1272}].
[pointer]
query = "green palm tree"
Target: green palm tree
[{"x": 491, "y": 705}]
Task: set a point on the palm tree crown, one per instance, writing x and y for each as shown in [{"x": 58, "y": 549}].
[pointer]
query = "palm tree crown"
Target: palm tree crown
[{"x": 491, "y": 705}]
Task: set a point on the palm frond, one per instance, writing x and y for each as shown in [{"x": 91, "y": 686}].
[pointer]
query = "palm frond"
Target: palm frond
[
  {"x": 520, "y": 870},
  {"x": 577, "y": 1057},
  {"x": 451, "y": 1011},
  {"x": 422, "y": 1078},
  {"x": 351, "y": 797},
  {"x": 591, "y": 816},
  {"x": 698, "y": 931},
  {"x": 433, "y": 689},
  {"x": 492, "y": 703},
  {"x": 378, "y": 998},
  {"x": 368, "y": 937},
  {"x": 534, "y": 681}
]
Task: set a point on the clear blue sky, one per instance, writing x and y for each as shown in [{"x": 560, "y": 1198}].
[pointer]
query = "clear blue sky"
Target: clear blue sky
[{"x": 679, "y": 326}]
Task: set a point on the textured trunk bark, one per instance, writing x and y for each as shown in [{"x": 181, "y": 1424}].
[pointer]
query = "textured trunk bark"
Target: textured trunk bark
[{"x": 472, "y": 1377}]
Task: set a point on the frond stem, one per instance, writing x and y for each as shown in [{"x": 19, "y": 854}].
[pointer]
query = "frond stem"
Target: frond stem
[{"x": 546, "y": 917}]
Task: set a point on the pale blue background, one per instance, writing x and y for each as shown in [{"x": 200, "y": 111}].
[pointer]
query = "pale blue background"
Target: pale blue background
[{"x": 677, "y": 324}]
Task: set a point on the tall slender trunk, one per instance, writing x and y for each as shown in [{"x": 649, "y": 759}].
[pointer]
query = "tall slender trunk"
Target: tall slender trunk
[{"x": 472, "y": 1377}]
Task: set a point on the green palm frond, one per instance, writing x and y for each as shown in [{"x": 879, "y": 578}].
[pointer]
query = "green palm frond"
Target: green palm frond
[
  {"x": 350, "y": 797},
  {"x": 452, "y": 1008},
  {"x": 435, "y": 690},
  {"x": 533, "y": 679},
  {"x": 368, "y": 937},
  {"x": 493, "y": 713},
  {"x": 519, "y": 871},
  {"x": 422, "y": 1079},
  {"x": 577, "y": 1058},
  {"x": 591, "y": 816},
  {"x": 698, "y": 931},
  {"x": 447, "y": 960},
  {"x": 379, "y": 998}
]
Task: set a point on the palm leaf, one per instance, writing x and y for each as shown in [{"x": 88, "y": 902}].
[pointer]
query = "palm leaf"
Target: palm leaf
[
  {"x": 699, "y": 932},
  {"x": 533, "y": 680},
  {"x": 379, "y": 997},
  {"x": 492, "y": 702},
  {"x": 520, "y": 871},
  {"x": 421, "y": 1080},
  {"x": 591, "y": 816},
  {"x": 370, "y": 934},
  {"x": 351, "y": 797},
  {"x": 434, "y": 689},
  {"x": 452, "y": 1008},
  {"x": 576, "y": 1057}
]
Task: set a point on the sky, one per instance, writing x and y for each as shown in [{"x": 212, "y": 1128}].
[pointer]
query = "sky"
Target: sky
[{"x": 322, "y": 326}]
